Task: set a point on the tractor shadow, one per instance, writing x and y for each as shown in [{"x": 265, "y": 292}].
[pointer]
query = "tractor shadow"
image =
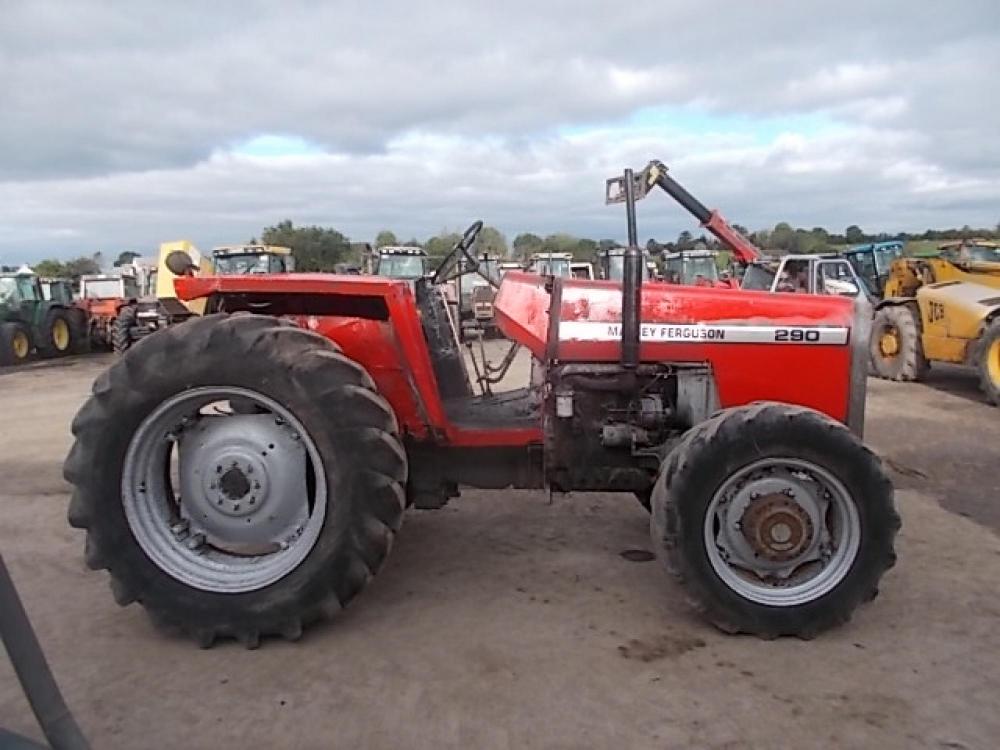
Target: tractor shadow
[
  {"x": 515, "y": 549},
  {"x": 956, "y": 380}
]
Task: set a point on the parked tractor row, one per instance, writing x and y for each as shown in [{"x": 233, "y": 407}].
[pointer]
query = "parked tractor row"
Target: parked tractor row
[
  {"x": 112, "y": 311},
  {"x": 36, "y": 316}
]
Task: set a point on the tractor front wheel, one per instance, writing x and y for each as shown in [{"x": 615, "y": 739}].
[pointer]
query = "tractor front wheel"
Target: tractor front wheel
[
  {"x": 988, "y": 362},
  {"x": 56, "y": 338},
  {"x": 15, "y": 343},
  {"x": 775, "y": 519},
  {"x": 895, "y": 348},
  {"x": 121, "y": 329},
  {"x": 238, "y": 476}
]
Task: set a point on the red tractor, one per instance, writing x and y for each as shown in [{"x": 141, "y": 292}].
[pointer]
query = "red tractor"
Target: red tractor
[{"x": 244, "y": 474}]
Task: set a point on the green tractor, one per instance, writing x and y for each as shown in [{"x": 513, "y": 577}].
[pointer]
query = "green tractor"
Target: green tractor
[{"x": 29, "y": 321}]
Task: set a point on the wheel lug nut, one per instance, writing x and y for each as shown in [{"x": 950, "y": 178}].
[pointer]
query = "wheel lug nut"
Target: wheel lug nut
[{"x": 195, "y": 541}]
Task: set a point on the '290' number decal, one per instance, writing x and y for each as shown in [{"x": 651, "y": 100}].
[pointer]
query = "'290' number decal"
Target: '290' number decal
[{"x": 810, "y": 335}]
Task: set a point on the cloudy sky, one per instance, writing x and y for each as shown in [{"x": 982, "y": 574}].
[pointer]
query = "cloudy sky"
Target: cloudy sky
[{"x": 125, "y": 124}]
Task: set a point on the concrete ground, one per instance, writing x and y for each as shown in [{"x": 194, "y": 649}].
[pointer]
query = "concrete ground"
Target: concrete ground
[{"x": 512, "y": 620}]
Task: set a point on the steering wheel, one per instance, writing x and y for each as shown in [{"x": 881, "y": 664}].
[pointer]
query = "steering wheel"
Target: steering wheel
[{"x": 458, "y": 250}]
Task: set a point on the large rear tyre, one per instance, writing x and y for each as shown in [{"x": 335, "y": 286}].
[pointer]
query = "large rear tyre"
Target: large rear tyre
[
  {"x": 775, "y": 519},
  {"x": 988, "y": 362},
  {"x": 237, "y": 476},
  {"x": 121, "y": 329},
  {"x": 895, "y": 348},
  {"x": 15, "y": 343},
  {"x": 56, "y": 338}
]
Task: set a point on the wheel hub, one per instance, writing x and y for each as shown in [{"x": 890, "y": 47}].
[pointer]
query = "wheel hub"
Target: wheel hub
[
  {"x": 239, "y": 486},
  {"x": 889, "y": 344},
  {"x": 776, "y": 527},
  {"x": 781, "y": 531},
  {"x": 243, "y": 480},
  {"x": 20, "y": 345},
  {"x": 60, "y": 334}
]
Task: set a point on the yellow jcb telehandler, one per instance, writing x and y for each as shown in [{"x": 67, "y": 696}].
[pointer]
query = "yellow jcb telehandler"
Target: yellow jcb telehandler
[{"x": 941, "y": 309}]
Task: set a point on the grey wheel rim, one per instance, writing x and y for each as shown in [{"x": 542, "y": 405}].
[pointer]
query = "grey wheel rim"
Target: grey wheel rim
[
  {"x": 223, "y": 489},
  {"x": 782, "y": 532}
]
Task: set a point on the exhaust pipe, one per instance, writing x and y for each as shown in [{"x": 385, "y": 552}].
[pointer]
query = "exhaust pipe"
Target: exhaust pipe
[{"x": 631, "y": 282}]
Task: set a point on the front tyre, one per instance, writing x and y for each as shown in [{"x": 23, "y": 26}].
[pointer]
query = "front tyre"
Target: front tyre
[
  {"x": 988, "y": 362},
  {"x": 775, "y": 519},
  {"x": 895, "y": 347},
  {"x": 121, "y": 329},
  {"x": 15, "y": 344},
  {"x": 56, "y": 337},
  {"x": 237, "y": 476}
]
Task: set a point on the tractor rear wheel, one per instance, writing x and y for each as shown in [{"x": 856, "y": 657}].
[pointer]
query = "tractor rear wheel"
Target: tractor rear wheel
[
  {"x": 15, "y": 343},
  {"x": 775, "y": 519},
  {"x": 55, "y": 339},
  {"x": 988, "y": 362},
  {"x": 238, "y": 476},
  {"x": 121, "y": 329},
  {"x": 896, "y": 351},
  {"x": 79, "y": 330}
]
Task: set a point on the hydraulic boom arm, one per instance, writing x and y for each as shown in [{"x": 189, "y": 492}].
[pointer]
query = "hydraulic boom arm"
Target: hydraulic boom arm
[{"x": 656, "y": 174}]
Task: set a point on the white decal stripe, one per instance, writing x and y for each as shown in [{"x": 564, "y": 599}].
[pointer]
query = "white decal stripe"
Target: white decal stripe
[{"x": 585, "y": 330}]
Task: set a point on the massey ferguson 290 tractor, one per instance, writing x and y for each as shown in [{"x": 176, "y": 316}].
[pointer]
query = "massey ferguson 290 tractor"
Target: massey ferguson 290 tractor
[{"x": 244, "y": 473}]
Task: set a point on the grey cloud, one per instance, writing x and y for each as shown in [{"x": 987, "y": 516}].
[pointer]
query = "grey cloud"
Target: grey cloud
[{"x": 111, "y": 112}]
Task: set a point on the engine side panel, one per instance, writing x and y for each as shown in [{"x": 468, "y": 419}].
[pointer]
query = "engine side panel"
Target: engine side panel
[{"x": 760, "y": 346}]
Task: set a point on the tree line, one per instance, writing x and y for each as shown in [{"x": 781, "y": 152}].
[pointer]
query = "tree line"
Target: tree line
[{"x": 319, "y": 248}]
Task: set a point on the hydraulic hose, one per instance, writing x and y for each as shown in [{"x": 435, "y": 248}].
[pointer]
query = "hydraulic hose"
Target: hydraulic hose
[{"x": 54, "y": 717}]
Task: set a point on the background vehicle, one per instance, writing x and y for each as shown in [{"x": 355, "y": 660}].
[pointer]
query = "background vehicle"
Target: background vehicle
[
  {"x": 158, "y": 306},
  {"x": 551, "y": 264},
  {"x": 397, "y": 262},
  {"x": 104, "y": 295},
  {"x": 611, "y": 264},
  {"x": 256, "y": 484},
  {"x": 871, "y": 262},
  {"x": 57, "y": 290},
  {"x": 744, "y": 252},
  {"x": 693, "y": 268},
  {"x": 582, "y": 270},
  {"x": 806, "y": 274},
  {"x": 971, "y": 251},
  {"x": 30, "y": 322},
  {"x": 233, "y": 259},
  {"x": 476, "y": 290},
  {"x": 939, "y": 310}
]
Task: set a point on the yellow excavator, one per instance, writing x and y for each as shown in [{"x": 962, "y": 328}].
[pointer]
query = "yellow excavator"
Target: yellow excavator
[{"x": 941, "y": 309}]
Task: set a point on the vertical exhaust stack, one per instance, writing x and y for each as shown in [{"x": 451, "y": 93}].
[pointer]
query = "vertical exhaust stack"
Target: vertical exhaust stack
[{"x": 631, "y": 282}]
